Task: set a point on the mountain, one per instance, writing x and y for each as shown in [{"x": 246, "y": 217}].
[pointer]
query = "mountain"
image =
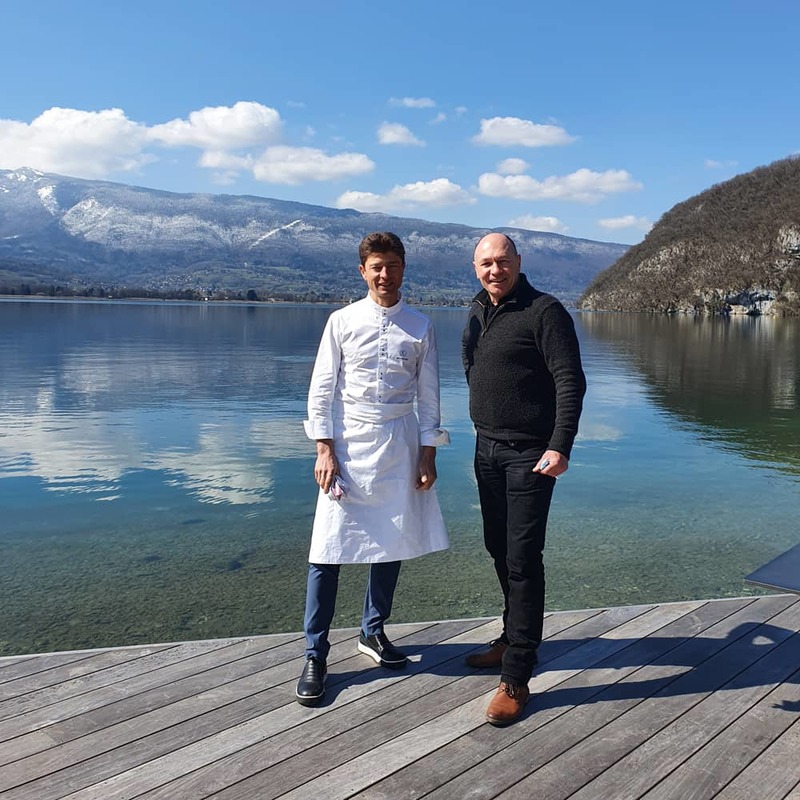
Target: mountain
[
  {"x": 59, "y": 233},
  {"x": 734, "y": 248}
]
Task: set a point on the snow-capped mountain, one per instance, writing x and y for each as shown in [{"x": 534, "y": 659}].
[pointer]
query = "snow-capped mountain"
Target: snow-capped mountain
[{"x": 75, "y": 232}]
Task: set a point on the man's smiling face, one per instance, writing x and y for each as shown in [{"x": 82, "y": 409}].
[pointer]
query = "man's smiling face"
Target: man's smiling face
[
  {"x": 497, "y": 265},
  {"x": 383, "y": 273}
]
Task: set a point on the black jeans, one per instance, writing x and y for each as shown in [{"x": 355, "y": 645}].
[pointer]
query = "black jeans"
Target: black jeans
[{"x": 515, "y": 503}]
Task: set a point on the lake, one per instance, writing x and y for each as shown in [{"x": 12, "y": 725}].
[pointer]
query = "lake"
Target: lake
[{"x": 156, "y": 483}]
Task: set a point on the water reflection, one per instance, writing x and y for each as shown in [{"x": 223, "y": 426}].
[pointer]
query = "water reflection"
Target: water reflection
[
  {"x": 736, "y": 378},
  {"x": 206, "y": 396},
  {"x": 156, "y": 483},
  {"x": 211, "y": 397}
]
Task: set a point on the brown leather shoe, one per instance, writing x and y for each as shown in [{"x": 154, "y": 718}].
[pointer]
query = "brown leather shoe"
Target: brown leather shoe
[
  {"x": 488, "y": 659},
  {"x": 507, "y": 704}
]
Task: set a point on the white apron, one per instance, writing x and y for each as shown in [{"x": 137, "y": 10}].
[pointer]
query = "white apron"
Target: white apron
[{"x": 384, "y": 517}]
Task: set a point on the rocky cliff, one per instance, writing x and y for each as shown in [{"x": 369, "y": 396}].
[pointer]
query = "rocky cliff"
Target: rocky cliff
[{"x": 734, "y": 248}]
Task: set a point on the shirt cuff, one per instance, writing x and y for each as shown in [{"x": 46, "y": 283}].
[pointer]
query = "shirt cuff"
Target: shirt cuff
[
  {"x": 318, "y": 428},
  {"x": 438, "y": 437}
]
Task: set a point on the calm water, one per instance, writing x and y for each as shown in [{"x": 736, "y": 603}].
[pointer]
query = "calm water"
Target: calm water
[{"x": 155, "y": 482}]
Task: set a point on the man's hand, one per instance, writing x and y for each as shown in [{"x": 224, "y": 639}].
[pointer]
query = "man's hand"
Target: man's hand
[
  {"x": 427, "y": 468},
  {"x": 552, "y": 463},
  {"x": 326, "y": 466}
]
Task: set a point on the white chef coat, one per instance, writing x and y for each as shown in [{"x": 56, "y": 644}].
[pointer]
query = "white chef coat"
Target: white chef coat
[{"x": 372, "y": 364}]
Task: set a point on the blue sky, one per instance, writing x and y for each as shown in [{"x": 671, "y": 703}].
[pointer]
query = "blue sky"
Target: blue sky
[{"x": 585, "y": 118}]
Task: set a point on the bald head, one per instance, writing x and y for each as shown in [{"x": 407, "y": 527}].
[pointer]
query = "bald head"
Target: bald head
[
  {"x": 497, "y": 265},
  {"x": 494, "y": 238}
]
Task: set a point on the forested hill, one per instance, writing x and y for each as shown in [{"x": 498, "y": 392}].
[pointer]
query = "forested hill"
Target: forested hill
[{"x": 733, "y": 248}]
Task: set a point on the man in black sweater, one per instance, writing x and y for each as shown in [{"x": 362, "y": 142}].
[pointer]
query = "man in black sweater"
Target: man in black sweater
[{"x": 526, "y": 387}]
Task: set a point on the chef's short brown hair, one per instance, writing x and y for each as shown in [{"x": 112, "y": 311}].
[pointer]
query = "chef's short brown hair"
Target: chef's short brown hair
[{"x": 380, "y": 242}]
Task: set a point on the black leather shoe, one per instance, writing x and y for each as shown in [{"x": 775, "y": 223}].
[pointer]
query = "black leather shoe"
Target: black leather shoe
[
  {"x": 382, "y": 651},
  {"x": 311, "y": 685}
]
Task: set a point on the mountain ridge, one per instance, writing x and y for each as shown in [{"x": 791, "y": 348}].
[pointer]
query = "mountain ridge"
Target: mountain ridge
[{"x": 74, "y": 232}]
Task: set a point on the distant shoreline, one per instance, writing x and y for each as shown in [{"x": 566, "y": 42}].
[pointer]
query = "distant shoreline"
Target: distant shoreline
[{"x": 179, "y": 302}]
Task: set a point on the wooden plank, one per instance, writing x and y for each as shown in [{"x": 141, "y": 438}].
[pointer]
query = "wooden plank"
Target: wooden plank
[
  {"x": 279, "y": 719},
  {"x": 42, "y": 683},
  {"x": 89, "y": 679},
  {"x": 111, "y": 727},
  {"x": 284, "y": 713},
  {"x": 142, "y": 750},
  {"x": 360, "y": 762},
  {"x": 650, "y": 700},
  {"x": 99, "y": 660},
  {"x": 126, "y": 680},
  {"x": 14, "y": 659},
  {"x": 760, "y": 668},
  {"x": 423, "y": 739},
  {"x": 123, "y": 755},
  {"x": 542, "y": 736},
  {"x": 715, "y": 764},
  {"x": 396, "y": 710},
  {"x": 319, "y": 725},
  {"x": 13, "y": 668},
  {"x": 20, "y": 753},
  {"x": 616, "y": 694},
  {"x": 552, "y": 697},
  {"x": 673, "y": 746},
  {"x": 772, "y": 775},
  {"x": 102, "y": 729},
  {"x": 439, "y": 666}
]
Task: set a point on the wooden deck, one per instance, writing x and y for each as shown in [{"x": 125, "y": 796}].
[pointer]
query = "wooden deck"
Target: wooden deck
[{"x": 674, "y": 701}]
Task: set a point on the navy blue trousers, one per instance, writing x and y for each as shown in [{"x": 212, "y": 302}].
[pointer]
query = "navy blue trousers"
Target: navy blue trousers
[
  {"x": 321, "y": 588},
  {"x": 515, "y": 503}
]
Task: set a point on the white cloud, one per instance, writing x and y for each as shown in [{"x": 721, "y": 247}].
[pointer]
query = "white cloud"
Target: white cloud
[
  {"x": 231, "y": 139},
  {"x": 244, "y": 124},
  {"x": 438, "y": 192},
  {"x": 512, "y": 166},
  {"x": 512, "y": 131},
  {"x": 582, "y": 186},
  {"x": 412, "y": 102},
  {"x": 461, "y": 110},
  {"x": 628, "y": 221},
  {"x": 219, "y": 159},
  {"x": 439, "y": 118},
  {"x": 226, "y": 177},
  {"x": 227, "y": 165},
  {"x": 295, "y": 165},
  {"x": 394, "y": 133},
  {"x": 87, "y": 144},
  {"x": 710, "y": 163},
  {"x": 532, "y": 223}
]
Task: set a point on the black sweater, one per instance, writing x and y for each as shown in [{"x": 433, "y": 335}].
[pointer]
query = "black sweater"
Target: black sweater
[{"x": 523, "y": 367}]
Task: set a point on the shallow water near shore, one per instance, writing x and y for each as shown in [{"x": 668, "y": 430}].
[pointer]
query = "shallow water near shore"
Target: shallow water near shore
[{"x": 156, "y": 484}]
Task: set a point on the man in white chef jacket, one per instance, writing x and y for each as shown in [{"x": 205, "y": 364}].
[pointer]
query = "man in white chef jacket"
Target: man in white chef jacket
[{"x": 376, "y": 457}]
